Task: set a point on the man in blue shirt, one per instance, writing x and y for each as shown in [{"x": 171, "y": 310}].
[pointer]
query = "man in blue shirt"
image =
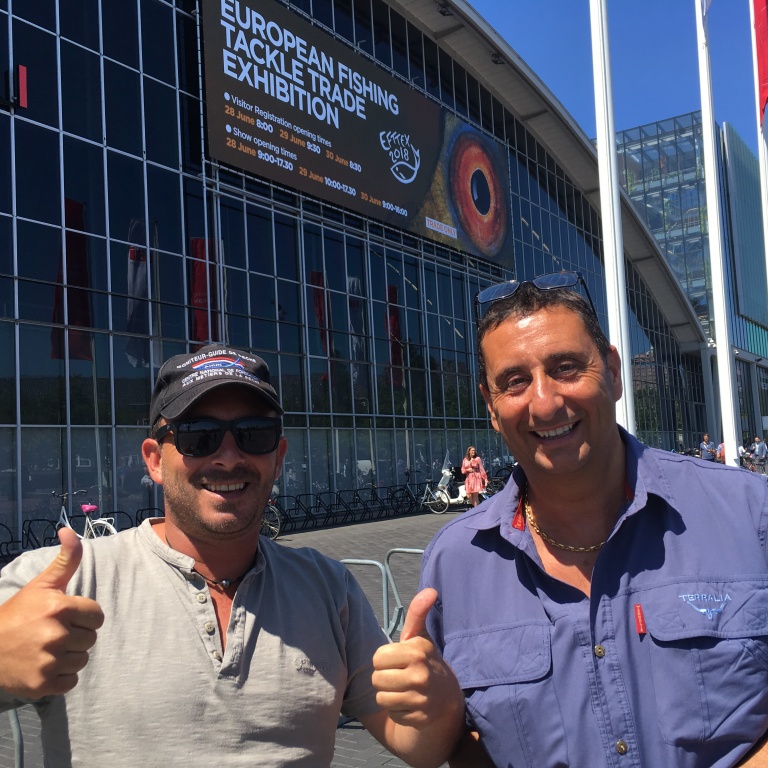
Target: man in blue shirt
[
  {"x": 609, "y": 607},
  {"x": 759, "y": 450},
  {"x": 707, "y": 448}
]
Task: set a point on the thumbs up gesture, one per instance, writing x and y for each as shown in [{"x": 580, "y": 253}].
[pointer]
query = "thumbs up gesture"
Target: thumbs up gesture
[
  {"x": 415, "y": 685},
  {"x": 45, "y": 634}
]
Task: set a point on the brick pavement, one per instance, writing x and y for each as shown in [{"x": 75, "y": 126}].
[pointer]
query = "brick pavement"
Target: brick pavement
[{"x": 355, "y": 748}]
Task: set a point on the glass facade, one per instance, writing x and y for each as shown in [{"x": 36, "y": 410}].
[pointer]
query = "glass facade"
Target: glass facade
[
  {"x": 122, "y": 244},
  {"x": 662, "y": 170}
]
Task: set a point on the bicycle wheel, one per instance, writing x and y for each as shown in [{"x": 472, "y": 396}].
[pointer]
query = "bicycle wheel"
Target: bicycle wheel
[
  {"x": 437, "y": 501},
  {"x": 271, "y": 522},
  {"x": 400, "y": 501},
  {"x": 99, "y": 528}
]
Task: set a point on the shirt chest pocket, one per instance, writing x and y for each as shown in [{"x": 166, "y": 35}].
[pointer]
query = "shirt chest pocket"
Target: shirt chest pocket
[
  {"x": 506, "y": 675},
  {"x": 708, "y": 647}
]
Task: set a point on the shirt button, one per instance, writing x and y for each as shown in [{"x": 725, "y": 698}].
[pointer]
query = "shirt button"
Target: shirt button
[
  {"x": 600, "y": 652},
  {"x": 209, "y": 627},
  {"x": 217, "y": 656},
  {"x": 201, "y": 598},
  {"x": 621, "y": 747}
]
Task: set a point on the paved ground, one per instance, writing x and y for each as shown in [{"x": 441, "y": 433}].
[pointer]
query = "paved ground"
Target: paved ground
[{"x": 355, "y": 748}]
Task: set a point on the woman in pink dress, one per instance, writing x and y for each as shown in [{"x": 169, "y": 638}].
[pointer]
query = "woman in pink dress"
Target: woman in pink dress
[{"x": 474, "y": 473}]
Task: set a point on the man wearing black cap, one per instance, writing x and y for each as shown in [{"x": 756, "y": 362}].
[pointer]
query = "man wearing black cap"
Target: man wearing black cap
[{"x": 213, "y": 644}]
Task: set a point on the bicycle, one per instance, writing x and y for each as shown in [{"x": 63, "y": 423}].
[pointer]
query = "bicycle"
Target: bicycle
[
  {"x": 271, "y": 521},
  {"x": 755, "y": 465},
  {"x": 499, "y": 479},
  {"x": 94, "y": 529},
  {"x": 434, "y": 499}
]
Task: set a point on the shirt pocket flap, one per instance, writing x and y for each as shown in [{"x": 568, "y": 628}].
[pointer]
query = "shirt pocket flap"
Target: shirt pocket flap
[
  {"x": 727, "y": 609},
  {"x": 500, "y": 655}
]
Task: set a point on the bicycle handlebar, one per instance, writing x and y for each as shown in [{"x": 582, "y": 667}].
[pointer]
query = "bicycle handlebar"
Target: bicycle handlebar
[{"x": 64, "y": 494}]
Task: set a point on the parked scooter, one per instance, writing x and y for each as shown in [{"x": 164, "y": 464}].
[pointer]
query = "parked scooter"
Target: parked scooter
[{"x": 456, "y": 491}]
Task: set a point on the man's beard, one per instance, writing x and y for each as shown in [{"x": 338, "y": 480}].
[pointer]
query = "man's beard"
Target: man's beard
[{"x": 182, "y": 501}]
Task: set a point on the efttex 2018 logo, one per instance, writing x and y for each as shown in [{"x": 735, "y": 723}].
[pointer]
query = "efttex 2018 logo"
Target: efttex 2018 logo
[
  {"x": 710, "y": 605},
  {"x": 406, "y": 159}
]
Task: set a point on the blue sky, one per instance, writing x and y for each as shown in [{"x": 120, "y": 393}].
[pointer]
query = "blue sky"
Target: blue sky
[{"x": 653, "y": 57}]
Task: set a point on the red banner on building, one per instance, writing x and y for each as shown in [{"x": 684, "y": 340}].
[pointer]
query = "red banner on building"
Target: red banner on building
[
  {"x": 761, "y": 48},
  {"x": 202, "y": 287},
  {"x": 395, "y": 369}
]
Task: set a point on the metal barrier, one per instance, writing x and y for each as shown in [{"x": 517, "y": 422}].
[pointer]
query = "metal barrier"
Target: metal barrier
[
  {"x": 398, "y": 617},
  {"x": 18, "y": 739},
  {"x": 393, "y": 622},
  {"x": 384, "y": 586}
]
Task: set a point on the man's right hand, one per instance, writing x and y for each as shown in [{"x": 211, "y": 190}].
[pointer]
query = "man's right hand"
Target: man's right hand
[{"x": 45, "y": 634}]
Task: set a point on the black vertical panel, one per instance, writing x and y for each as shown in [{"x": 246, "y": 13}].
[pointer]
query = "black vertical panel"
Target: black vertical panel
[
  {"x": 127, "y": 216},
  {"x": 343, "y": 20},
  {"x": 120, "y": 27},
  {"x": 79, "y": 21},
  {"x": 5, "y": 168},
  {"x": 37, "y": 173},
  {"x": 164, "y": 206},
  {"x": 161, "y": 125},
  {"x": 157, "y": 41},
  {"x": 40, "y": 12},
  {"x": 382, "y": 46},
  {"x": 122, "y": 95},
  {"x": 322, "y": 10},
  {"x": 5, "y": 60},
  {"x": 431, "y": 68},
  {"x": 446, "y": 78},
  {"x": 84, "y": 185},
  {"x": 186, "y": 49},
  {"x": 363, "y": 25},
  {"x": 81, "y": 92},
  {"x": 399, "y": 44},
  {"x": 416, "y": 56}
]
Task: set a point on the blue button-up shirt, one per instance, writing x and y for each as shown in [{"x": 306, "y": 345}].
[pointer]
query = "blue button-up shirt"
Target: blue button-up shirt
[
  {"x": 706, "y": 450},
  {"x": 666, "y": 664}
]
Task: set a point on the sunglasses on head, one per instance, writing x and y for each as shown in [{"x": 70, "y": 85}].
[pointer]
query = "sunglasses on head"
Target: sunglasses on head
[
  {"x": 486, "y": 298},
  {"x": 203, "y": 436}
]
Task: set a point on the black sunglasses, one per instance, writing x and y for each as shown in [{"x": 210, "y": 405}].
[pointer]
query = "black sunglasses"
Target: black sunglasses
[
  {"x": 202, "y": 437},
  {"x": 486, "y": 298}
]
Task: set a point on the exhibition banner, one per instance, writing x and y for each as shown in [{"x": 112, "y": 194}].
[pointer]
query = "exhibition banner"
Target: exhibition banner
[{"x": 288, "y": 102}]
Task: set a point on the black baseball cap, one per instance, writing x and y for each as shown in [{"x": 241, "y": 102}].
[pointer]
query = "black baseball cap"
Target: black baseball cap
[{"x": 184, "y": 379}]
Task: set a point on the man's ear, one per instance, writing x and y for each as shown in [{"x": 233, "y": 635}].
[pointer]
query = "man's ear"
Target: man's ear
[
  {"x": 153, "y": 459},
  {"x": 614, "y": 367}
]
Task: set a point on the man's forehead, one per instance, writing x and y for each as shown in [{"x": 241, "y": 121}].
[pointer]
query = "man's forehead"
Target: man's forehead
[
  {"x": 557, "y": 314},
  {"x": 559, "y": 318}
]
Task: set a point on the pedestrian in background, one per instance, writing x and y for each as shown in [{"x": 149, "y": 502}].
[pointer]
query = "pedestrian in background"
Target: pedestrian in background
[
  {"x": 707, "y": 448},
  {"x": 720, "y": 455},
  {"x": 759, "y": 451},
  {"x": 475, "y": 478}
]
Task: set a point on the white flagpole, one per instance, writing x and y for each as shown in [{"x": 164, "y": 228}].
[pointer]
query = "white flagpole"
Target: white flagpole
[
  {"x": 610, "y": 210},
  {"x": 726, "y": 372},
  {"x": 762, "y": 151}
]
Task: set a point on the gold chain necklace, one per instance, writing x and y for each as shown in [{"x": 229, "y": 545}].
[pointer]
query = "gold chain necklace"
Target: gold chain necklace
[{"x": 566, "y": 547}]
